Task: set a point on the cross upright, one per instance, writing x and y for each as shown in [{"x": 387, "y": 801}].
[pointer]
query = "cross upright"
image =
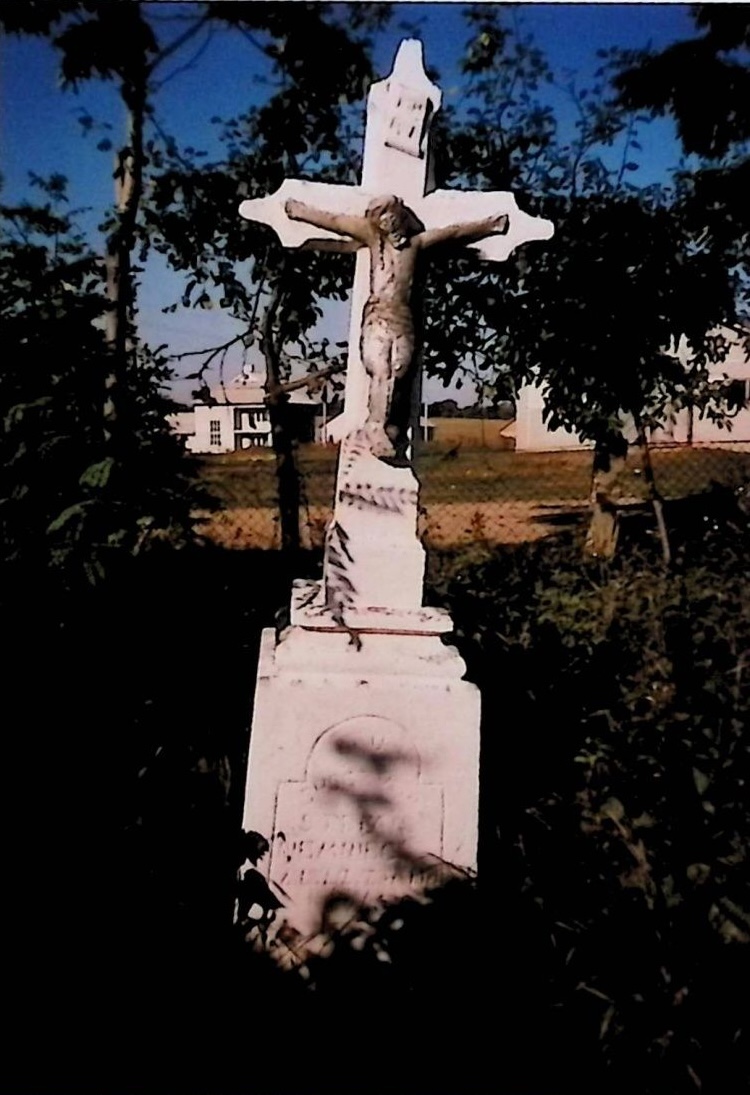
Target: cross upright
[{"x": 397, "y": 161}]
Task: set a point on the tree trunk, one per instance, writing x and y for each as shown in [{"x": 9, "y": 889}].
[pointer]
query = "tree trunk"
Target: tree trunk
[
  {"x": 610, "y": 455},
  {"x": 120, "y": 245},
  {"x": 654, "y": 496},
  {"x": 282, "y": 434}
]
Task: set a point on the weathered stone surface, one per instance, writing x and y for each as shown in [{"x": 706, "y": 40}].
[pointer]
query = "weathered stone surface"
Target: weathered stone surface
[{"x": 364, "y": 781}]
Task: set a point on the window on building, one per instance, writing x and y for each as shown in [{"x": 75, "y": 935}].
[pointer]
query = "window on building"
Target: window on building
[
  {"x": 248, "y": 418},
  {"x": 214, "y": 431},
  {"x": 250, "y": 441},
  {"x": 738, "y": 395}
]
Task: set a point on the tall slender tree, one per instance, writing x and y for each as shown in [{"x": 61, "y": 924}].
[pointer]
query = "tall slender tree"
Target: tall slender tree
[{"x": 189, "y": 208}]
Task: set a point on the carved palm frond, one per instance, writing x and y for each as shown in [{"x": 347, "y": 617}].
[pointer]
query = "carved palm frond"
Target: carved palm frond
[{"x": 388, "y": 499}]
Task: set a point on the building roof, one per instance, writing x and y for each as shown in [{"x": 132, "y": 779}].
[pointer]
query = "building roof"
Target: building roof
[
  {"x": 244, "y": 388},
  {"x": 249, "y": 389}
]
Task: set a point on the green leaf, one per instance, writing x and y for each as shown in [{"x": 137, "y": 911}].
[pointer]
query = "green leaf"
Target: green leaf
[
  {"x": 66, "y": 517},
  {"x": 614, "y": 809},
  {"x": 701, "y": 781},
  {"x": 15, "y": 414},
  {"x": 97, "y": 475}
]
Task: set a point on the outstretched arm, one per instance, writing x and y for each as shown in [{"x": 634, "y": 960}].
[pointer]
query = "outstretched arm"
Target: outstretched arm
[
  {"x": 471, "y": 232},
  {"x": 342, "y": 223},
  {"x": 339, "y": 247}
]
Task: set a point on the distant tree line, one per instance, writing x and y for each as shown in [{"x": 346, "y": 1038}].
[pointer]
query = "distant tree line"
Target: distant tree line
[{"x": 448, "y": 408}]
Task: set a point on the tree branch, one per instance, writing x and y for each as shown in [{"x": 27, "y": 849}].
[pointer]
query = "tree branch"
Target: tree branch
[
  {"x": 253, "y": 41},
  {"x": 625, "y": 151},
  {"x": 310, "y": 382},
  {"x": 169, "y": 141},
  {"x": 178, "y": 42},
  {"x": 188, "y": 64},
  {"x": 213, "y": 351}
]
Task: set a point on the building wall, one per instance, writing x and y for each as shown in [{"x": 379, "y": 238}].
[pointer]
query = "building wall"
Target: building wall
[
  {"x": 210, "y": 437},
  {"x": 227, "y": 427},
  {"x": 182, "y": 423},
  {"x": 689, "y": 427},
  {"x": 484, "y": 433},
  {"x": 704, "y": 430},
  {"x": 532, "y": 434}
]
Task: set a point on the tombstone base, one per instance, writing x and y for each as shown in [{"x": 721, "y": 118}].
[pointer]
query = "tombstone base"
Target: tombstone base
[{"x": 363, "y": 769}]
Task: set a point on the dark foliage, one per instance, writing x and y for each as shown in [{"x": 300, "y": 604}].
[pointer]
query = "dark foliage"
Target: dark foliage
[
  {"x": 607, "y": 943},
  {"x": 677, "y": 80},
  {"x": 121, "y": 864},
  {"x": 615, "y": 762},
  {"x": 72, "y": 501},
  {"x": 704, "y": 85}
]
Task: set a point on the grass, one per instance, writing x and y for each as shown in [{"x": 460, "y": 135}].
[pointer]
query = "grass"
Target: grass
[
  {"x": 248, "y": 481},
  {"x": 241, "y": 480}
]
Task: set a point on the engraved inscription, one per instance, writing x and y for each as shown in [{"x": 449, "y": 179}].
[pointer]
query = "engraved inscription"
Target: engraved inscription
[
  {"x": 364, "y": 822},
  {"x": 407, "y": 127},
  {"x": 333, "y": 843}
]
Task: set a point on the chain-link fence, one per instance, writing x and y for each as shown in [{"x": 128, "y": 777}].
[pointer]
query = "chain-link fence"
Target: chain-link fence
[{"x": 468, "y": 495}]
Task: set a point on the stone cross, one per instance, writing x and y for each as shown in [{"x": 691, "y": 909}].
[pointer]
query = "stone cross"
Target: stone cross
[
  {"x": 364, "y": 754},
  {"x": 374, "y": 561}
]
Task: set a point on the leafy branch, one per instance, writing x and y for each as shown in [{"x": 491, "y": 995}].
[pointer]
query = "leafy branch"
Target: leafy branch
[{"x": 339, "y": 588}]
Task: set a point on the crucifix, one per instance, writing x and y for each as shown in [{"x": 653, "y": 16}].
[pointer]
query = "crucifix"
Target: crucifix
[
  {"x": 396, "y": 163},
  {"x": 394, "y": 238},
  {"x": 373, "y": 558}
]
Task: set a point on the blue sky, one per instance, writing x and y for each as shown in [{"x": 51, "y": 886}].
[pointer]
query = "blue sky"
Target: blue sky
[{"x": 41, "y": 131}]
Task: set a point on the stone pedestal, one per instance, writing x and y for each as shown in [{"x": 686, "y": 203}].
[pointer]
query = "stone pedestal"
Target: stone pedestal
[{"x": 364, "y": 760}]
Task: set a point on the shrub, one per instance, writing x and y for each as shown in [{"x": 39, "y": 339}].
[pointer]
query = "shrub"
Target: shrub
[{"x": 615, "y": 771}]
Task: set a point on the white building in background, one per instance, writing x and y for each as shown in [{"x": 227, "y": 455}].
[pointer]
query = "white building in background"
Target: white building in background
[
  {"x": 532, "y": 432},
  {"x": 238, "y": 419},
  {"x": 685, "y": 426}
]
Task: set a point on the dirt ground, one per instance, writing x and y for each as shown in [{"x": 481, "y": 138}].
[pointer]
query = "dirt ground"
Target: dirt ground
[
  {"x": 446, "y": 524},
  {"x": 481, "y": 496}
]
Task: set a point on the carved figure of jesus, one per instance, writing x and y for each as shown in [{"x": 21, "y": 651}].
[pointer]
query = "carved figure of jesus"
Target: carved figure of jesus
[{"x": 395, "y": 238}]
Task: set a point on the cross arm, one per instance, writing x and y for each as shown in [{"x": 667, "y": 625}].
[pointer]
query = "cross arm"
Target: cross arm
[
  {"x": 443, "y": 209},
  {"x": 341, "y": 202},
  {"x": 469, "y": 232}
]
